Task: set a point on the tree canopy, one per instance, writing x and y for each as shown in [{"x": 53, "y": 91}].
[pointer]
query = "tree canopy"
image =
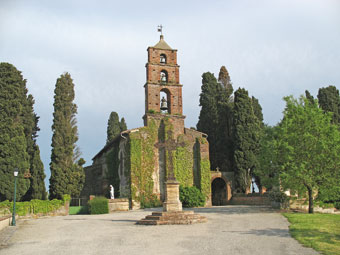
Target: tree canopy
[{"x": 304, "y": 154}]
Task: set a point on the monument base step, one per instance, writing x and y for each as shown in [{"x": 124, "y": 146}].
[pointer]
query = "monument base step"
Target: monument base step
[{"x": 172, "y": 218}]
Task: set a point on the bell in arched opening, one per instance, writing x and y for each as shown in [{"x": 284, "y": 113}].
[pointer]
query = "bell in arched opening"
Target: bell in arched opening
[{"x": 164, "y": 104}]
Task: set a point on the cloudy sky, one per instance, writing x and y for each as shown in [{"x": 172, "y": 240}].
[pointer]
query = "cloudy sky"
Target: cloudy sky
[{"x": 273, "y": 48}]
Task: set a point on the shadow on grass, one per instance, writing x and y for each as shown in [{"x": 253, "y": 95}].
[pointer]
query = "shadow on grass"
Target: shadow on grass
[{"x": 314, "y": 235}]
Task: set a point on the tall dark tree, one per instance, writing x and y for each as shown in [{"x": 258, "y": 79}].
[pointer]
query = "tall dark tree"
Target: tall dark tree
[
  {"x": 225, "y": 117},
  {"x": 13, "y": 145},
  {"x": 329, "y": 101},
  {"x": 225, "y": 81},
  {"x": 309, "y": 97},
  {"x": 122, "y": 125},
  {"x": 208, "y": 118},
  {"x": 37, "y": 188},
  {"x": 114, "y": 127},
  {"x": 67, "y": 176},
  {"x": 246, "y": 136}
]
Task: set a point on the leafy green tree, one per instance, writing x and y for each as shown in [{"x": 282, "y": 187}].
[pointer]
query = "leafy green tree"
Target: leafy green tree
[
  {"x": 268, "y": 158},
  {"x": 309, "y": 147},
  {"x": 208, "y": 118},
  {"x": 13, "y": 144},
  {"x": 67, "y": 176},
  {"x": 329, "y": 101},
  {"x": 246, "y": 136}
]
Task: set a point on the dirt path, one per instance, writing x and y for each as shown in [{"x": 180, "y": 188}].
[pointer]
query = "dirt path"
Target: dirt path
[{"x": 230, "y": 230}]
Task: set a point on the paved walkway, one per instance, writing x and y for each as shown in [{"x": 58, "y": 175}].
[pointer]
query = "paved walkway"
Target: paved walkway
[{"x": 230, "y": 230}]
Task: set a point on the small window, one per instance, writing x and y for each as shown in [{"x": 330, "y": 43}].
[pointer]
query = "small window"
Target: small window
[{"x": 163, "y": 59}]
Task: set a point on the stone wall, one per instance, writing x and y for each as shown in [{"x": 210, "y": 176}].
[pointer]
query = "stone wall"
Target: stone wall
[
  {"x": 241, "y": 199},
  {"x": 119, "y": 204}
]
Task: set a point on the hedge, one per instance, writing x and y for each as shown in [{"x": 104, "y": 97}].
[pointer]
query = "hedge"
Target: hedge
[{"x": 98, "y": 205}]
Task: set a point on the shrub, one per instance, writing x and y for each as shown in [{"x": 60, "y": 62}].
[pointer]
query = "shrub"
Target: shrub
[
  {"x": 191, "y": 197},
  {"x": 99, "y": 205},
  {"x": 151, "y": 202},
  {"x": 278, "y": 196},
  {"x": 337, "y": 205}
]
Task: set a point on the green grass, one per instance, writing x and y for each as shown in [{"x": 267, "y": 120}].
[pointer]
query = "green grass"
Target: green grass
[
  {"x": 318, "y": 231},
  {"x": 78, "y": 210}
]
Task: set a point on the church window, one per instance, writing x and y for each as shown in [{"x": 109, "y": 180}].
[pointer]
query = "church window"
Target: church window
[{"x": 163, "y": 59}]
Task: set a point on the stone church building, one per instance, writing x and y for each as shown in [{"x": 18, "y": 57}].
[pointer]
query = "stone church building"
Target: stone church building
[{"x": 138, "y": 168}]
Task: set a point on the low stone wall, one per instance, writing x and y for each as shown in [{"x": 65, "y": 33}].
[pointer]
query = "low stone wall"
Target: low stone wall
[
  {"x": 300, "y": 205},
  {"x": 119, "y": 204},
  {"x": 5, "y": 221},
  {"x": 249, "y": 200}
]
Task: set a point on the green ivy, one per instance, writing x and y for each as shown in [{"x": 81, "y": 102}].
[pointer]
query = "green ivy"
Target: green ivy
[
  {"x": 112, "y": 162},
  {"x": 183, "y": 166},
  {"x": 141, "y": 162},
  {"x": 34, "y": 206}
]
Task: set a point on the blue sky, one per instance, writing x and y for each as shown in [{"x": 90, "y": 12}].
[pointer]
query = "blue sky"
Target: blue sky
[{"x": 273, "y": 48}]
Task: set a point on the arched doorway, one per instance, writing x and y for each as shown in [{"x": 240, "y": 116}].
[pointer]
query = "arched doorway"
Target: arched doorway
[{"x": 219, "y": 192}]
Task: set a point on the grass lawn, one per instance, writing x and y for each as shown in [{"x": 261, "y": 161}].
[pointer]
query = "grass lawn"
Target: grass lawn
[
  {"x": 73, "y": 210},
  {"x": 318, "y": 231}
]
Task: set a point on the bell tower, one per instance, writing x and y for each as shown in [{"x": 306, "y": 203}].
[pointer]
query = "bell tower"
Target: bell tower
[{"x": 163, "y": 92}]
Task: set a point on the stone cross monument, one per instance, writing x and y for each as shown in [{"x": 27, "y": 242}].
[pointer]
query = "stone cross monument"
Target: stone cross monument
[{"x": 172, "y": 202}]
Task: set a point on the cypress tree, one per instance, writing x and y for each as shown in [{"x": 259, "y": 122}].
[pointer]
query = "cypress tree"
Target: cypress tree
[
  {"x": 13, "y": 144},
  {"x": 37, "y": 188},
  {"x": 225, "y": 118},
  {"x": 122, "y": 125},
  {"x": 67, "y": 176},
  {"x": 329, "y": 101},
  {"x": 246, "y": 135},
  {"x": 113, "y": 127},
  {"x": 225, "y": 81},
  {"x": 309, "y": 97},
  {"x": 208, "y": 118}
]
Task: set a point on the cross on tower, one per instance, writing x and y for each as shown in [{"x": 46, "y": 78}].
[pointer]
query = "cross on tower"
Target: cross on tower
[
  {"x": 160, "y": 29},
  {"x": 170, "y": 145}
]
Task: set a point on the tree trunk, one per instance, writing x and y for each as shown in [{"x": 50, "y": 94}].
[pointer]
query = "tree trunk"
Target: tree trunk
[{"x": 310, "y": 197}]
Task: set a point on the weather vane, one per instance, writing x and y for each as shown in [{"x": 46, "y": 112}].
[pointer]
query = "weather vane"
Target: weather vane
[{"x": 160, "y": 29}]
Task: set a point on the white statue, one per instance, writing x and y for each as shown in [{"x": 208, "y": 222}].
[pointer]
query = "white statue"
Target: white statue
[{"x": 112, "y": 192}]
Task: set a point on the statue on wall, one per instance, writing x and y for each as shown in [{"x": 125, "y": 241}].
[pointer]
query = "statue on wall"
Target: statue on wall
[{"x": 112, "y": 195}]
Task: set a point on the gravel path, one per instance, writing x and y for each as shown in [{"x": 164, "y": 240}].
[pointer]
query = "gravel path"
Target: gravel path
[{"x": 230, "y": 230}]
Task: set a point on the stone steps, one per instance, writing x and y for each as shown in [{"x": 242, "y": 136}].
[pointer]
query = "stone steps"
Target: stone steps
[{"x": 172, "y": 218}]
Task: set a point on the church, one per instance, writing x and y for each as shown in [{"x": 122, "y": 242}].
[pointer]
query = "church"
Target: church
[{"x": 136, "y": 163}]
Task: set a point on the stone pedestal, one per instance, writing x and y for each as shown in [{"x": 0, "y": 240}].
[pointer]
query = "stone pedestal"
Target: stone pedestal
[
  {"x": 172, "y": 202},
  {"x": 172, "y": 210}
]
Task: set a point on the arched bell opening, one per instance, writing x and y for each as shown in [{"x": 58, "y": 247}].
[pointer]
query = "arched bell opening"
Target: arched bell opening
[
  {"x": 165, "y": 101},
  {"x": 219, "y": 192},
  {"x": 164, "y": 76},
  {"x": 162, "y": 59}
]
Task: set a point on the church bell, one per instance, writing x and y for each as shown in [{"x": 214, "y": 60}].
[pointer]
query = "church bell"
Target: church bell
[{"x": 164, "y": 105}]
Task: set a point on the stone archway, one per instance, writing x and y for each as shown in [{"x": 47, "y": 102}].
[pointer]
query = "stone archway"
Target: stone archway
[{"x": 219, "y": 194}]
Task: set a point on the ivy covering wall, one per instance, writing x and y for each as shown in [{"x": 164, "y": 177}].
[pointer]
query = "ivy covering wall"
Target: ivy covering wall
[
  {"x": 112, "y": 162},
  {"x": 141, "y": 160}
]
